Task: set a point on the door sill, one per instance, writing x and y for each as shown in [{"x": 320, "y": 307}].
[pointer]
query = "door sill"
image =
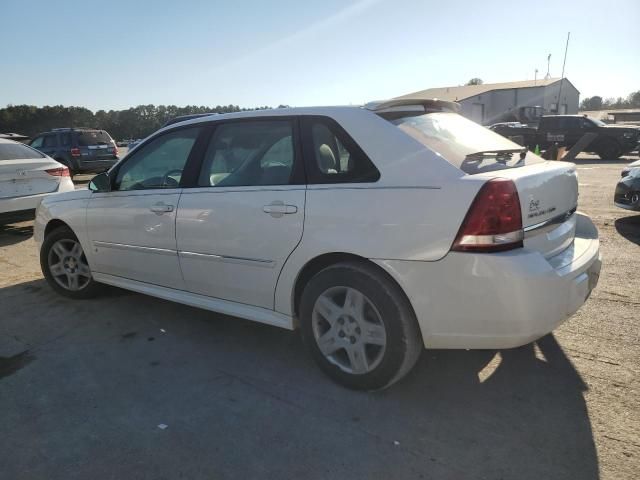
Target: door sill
[{"x": 226, "y": 307}]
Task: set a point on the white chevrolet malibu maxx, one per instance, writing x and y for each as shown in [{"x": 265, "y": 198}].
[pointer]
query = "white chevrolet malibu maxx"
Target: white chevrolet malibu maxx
[{"x": 376, "y": 230}]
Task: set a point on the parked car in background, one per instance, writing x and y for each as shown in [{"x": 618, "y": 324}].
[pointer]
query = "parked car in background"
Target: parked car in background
[
  {"x": 133, "y": 144},
  {"x": 82, "y": 150},
  {"x": 26, "y": 176},
  {"x": 627, "y": 193},
  {"x": 611, "y": 141},
  {"x": 520, "y": 133},
  {"x": 377, "y": 230}
]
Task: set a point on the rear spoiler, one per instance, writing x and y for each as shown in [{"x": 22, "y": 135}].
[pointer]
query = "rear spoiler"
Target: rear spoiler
[{"x": 425, "y": 105}]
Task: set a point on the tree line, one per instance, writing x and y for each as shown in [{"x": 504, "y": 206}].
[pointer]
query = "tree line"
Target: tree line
[
  {"x": 598, "y": 103},
  {"x": 135, "y": 122}
]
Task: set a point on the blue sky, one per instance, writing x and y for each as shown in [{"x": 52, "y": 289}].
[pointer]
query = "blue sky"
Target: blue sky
[{"x": 117, "y": 54}]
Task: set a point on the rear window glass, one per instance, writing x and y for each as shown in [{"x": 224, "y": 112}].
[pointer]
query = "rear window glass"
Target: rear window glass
[
  {"x": 17, "y": 151},
  {"x": 469, "y": 146},
  {"x": 93, "y": 137}
]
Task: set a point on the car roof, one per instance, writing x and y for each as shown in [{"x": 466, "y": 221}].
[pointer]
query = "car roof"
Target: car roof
[{"x": 378, "y": 107}]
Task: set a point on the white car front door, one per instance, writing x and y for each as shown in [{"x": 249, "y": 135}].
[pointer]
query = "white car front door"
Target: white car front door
[
  {"x": 132, "y": 228},
  {"x": 237, "y": 228}
]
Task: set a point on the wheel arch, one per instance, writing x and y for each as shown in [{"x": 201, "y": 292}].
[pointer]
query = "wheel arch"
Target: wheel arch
[
  {"x": 320, "y": 262},
  {"x": 55, "y": 223}
]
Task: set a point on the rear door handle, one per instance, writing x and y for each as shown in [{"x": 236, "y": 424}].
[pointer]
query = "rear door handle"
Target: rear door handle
[
  {"x": 161, "y": 207},
  {"x": 278, "y": 209}
]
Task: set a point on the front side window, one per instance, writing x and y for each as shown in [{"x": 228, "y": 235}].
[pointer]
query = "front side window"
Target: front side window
[
  {"x": 37, "y": 142},
  {"x": 249, "y": 154},
  {"x": 158, "y": 164}
]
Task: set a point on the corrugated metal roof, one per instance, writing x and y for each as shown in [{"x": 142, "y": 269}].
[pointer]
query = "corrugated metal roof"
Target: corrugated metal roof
[{"x": 454, "y": 94}]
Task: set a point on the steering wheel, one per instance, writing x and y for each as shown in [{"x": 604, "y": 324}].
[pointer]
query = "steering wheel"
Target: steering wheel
[{"x": 167, "y": 181}]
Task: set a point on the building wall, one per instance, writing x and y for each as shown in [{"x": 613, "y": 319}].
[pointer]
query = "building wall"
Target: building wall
[
  {"x": 497, "y": 105},
  {"x": 570, "y": 97}
]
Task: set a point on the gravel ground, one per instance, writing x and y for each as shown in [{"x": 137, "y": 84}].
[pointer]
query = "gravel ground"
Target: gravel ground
[{"x": 127, "y": 386}]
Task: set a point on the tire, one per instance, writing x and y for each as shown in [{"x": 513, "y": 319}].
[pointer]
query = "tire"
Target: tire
[
  {"x": 61, "y": 260},
  {"x": 609, "y": 150},
  {"x": 369, "y": 350}
]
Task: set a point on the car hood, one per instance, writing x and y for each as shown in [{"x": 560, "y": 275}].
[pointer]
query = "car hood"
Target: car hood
[{"x": 66, "y": 196}]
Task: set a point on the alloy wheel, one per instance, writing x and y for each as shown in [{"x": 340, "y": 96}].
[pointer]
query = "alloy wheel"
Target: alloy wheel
[
  {"x": 68, "y": 265},
  {"x": 348, "y": 330}
]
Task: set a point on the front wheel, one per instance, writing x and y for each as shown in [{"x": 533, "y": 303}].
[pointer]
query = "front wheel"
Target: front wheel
[
  {"x": 65, "y": 265},
  {"x": 359, "y": 326}
]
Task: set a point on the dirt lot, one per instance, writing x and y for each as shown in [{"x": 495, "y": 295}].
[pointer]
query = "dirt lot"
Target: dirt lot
[{"x": 85, "y": 387}]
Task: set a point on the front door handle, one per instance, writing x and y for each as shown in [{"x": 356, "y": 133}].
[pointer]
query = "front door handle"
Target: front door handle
[
  {"x": 161, "y": 207},
  {"x": 277, "y": 209}
]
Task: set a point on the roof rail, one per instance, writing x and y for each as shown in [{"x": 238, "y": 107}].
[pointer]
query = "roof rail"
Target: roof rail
[{"x": 401, "y": 104}]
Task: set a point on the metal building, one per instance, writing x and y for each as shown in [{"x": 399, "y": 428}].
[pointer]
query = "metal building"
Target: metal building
[{"x": 503, "y": 102}]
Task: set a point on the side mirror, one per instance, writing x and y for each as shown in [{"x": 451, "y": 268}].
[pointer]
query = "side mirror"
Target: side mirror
[{"x": 100, "y": 183}]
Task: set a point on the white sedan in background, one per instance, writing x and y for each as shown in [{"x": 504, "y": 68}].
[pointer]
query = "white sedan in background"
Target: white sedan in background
[
  {"x": 377, "y": 230},
  {"x": 27, "y": 176}
]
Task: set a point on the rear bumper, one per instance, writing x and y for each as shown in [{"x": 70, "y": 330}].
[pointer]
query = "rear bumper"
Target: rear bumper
[
  {"x": 91, "y": 166},
  {"x": 31, "y": 202},
  {"x": 501, "y": 300}
]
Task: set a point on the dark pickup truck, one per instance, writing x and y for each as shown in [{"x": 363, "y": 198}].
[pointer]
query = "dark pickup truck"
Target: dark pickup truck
[{"x": 610, "y": 142}]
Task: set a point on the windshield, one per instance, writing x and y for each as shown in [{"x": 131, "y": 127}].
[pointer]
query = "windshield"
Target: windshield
[
  {"x": 456, "y": 138},
  {"x": 17, "y": 151},
  {"x": 93, "y": 137},
  {"x": 597, "y": 122}
]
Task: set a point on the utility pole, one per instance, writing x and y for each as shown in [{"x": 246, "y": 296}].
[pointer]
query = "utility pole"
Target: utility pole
[
  {"x": 535, "y": 77},
  {"x": 548, "y": 75},
  {"x": 566, "y": 48}
]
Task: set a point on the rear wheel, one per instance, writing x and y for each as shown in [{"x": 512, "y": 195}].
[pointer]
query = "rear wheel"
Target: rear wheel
[
  {"x": 359, "y": 326},
  {"x": 609, "y": 150},
  {"x": 65, "y": 265}
]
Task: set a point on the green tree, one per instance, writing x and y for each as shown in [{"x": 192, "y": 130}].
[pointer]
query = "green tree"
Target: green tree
[{"x": 475, "y": 81}]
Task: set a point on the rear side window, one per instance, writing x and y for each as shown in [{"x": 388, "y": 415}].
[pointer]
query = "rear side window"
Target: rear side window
[
  {"x": 249, "y": 153},
  {"x": 50, "y": 141},
  {"x": 93, "y": 137},
  {"x": 65, "y": 139},
  {"x": 332, "y": 156},
  {"x": 463, "y": 143},
  {"x": 17, "y": 151}
]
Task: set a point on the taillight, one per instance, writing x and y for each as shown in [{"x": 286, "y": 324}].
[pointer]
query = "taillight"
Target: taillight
[
  {"x": 494, "y": 221},
  {"x": 59, "y": 172},
  {"x": 75, "y": 152},
  {"x": 115, "y": 150}
]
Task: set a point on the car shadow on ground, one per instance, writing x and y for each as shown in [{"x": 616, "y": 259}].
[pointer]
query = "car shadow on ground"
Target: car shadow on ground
[
  {"x": 11, "y": 234},
  {"x": 243, "y": 399},
  {"x": 629, "y": 228}
]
